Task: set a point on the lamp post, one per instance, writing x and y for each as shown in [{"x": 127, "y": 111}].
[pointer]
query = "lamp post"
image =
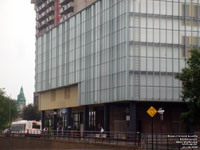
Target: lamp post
[
  {"x": 10, "y": 113},
  {"x": 49, "y": 121},
  {"x": 161, "y": 112}
]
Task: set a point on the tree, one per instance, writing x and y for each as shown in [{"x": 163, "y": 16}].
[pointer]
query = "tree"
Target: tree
[
  {"x": 190, "y": 77},
  {"x": 8, "y": 110},
  {"x": 31, "y": 112}
]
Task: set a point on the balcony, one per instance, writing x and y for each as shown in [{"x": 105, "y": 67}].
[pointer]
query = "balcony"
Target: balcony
[
  {"x": 43, "y": 22},
  {"x": 50, "y": 10},
  {"x": 65, "y": 2},
  {"x": 40, "y": 31},
  {"x": 50, "y": 20},
  {"x": 50, "y": 2},
  {"x": 39, "y": 8},
  {"x": 64, "y": 17},
  {"x": 46, "y": 22},
  {"x": 67, "y": 9},
  {"x": 45, "y": 6},
  {"x": 41, "y": 17},
  {"x": 39, "y": 2},
  {"x": 38, "y": 25},
  {"x": 50, "y": 27},
  {"x": 45, "y": 14},
  {"x": 37, "y": 16},
  {"x": 42, "y": 8},
  {"x": 42, "y": 26}
]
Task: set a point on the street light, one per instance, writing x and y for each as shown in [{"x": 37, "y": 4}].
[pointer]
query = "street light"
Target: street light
[{"x": 161, "y": 112}]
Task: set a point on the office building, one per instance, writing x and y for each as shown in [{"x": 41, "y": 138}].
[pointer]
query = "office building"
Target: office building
[{"x": 110, "y": 61}]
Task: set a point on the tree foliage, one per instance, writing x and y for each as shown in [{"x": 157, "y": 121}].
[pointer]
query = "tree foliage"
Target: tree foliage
[
  {"x": 8, "y": 110},
  {"x": 31, "y": 112},
  {"x": 190, "y": 77}
]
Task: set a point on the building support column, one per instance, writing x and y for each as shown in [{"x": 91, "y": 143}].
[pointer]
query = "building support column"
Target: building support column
[
  {"x": 86, "y": 118},
  {"x": 69, "y": 118},
  {"x": 55, "y": 119},
  {"x": 107, "y": 117},
  {"x": 43, "y": 119},
  {"x": 132, "y": 123}
]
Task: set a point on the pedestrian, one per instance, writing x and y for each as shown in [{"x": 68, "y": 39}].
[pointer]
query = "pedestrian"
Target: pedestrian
[{"x": 102, "y": 130}]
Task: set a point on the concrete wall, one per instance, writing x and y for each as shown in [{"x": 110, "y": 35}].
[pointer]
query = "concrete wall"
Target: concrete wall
[
  {"x": 59, "y": 98},
  {"x": 118, "y": 117}
]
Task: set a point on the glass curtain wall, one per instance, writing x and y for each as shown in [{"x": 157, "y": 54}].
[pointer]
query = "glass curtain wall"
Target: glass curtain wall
[
  {"x": 118, "y": 50},
  {"x": 162, "y": 33},
  {"x": 88, "y": 49}
]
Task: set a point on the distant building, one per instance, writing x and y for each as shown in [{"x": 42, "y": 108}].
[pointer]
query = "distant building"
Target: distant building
[{"x": 21, "y": 100}]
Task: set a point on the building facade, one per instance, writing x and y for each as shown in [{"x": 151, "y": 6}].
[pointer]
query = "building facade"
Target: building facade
[
  {"x": 117, "y": 58},
  {"x": 50, "y": 12},
  {"x": 47, "y": 15}
]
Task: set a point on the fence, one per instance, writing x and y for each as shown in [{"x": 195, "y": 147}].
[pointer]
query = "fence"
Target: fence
[
  {"x": 139, "y": 141},
  {"x": 116, "y": 138}
]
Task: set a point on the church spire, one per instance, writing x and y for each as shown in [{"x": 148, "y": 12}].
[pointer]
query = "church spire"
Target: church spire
[
  {"x": 21, "y": 97},
  {"x": 21, "y": 101}
]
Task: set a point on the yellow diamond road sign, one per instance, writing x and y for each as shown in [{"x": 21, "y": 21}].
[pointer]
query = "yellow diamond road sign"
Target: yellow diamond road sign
[{"x": 151, "y": 111}]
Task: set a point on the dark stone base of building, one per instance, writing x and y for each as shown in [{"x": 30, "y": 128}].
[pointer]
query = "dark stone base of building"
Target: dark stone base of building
[{"x": 120, "y": 117}]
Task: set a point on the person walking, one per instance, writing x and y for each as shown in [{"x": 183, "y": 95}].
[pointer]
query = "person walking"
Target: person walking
[{"x": 102, "y": 130}]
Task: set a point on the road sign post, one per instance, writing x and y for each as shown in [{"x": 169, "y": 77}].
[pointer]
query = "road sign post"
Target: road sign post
[
  {"x": 152, "y": 132},
  {"x": 151, "y": 112}
]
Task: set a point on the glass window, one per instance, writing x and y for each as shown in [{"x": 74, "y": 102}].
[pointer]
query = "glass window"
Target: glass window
[
  {"x": 35, "y": 125},
  {"x": 92, "y": 120}
]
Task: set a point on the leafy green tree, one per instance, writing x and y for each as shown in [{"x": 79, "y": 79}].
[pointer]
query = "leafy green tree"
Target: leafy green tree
[
  {"x": 31, "y": 112},
  {"x": 190, "y": 77},
  {"x": 8, "y": 110}
]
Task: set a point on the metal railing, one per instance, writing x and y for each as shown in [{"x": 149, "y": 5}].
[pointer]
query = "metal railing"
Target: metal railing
[
  {"x": 96, "y": 137},
  {"x": 119, "y": 138},
  {"x": 142, "y": 141}
]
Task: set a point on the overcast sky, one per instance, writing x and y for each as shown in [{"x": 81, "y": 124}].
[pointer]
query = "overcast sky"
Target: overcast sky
[{"x": 17, "y": 47}]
